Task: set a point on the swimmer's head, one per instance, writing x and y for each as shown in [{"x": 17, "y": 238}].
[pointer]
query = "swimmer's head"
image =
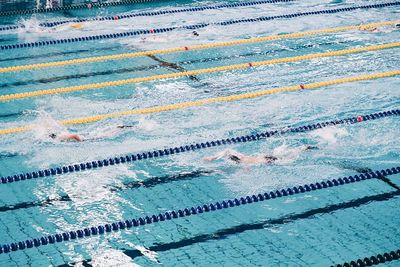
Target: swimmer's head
[
  {"x": 234, "y": 158},
  {"x": 270, "y": 159},
  {"x": 195, "y": 33},
  {"x": 53, "y": 135}
]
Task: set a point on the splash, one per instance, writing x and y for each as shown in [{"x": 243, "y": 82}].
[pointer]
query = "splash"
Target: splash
[
  {"x": 329, "y": 135},
  {"x": 29, "y": 29},
  {"x": 92, "y": 203},
  {"x": 111, "y": 257},
  {"x": 147, "y": 124},
  {"x": 286, "y": 154},
  {"x": 32, "y": 31},
  {"x": 102, "y": 132},
  {"x": 87, "y": 188},
  {"x": 44, "y": 125},
  {"x": 151, "y": 255}
]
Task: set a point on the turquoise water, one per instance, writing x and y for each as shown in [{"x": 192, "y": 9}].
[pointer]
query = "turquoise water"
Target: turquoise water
[{"x": 313, "y": 229}]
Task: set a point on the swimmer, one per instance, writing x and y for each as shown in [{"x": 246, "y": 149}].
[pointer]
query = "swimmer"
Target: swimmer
[
  {"x": 238, "y": 158},
  {"x": 195, "y": 33},
  {"x": 67, "y": 137},
  {"x": 71, "y": 137},
  {"x": 375, "y": 29}
]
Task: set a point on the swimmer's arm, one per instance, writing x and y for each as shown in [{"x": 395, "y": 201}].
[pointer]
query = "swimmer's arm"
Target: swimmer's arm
[
  {"x": 222, "y": 154},
  {"x": 211, "y": 158},
  {"x": 216, "y": 156},
  {"x": 71, "y": 137}
]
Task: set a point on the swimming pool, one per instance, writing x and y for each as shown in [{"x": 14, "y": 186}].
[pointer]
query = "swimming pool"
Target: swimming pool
[{"x": 317, "y": 227}]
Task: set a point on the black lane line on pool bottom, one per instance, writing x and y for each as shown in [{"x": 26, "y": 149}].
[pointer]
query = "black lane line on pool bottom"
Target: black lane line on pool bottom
[
  {"x": 116, "y": 226},
  {"x": 109, "y": 36},
  {"x": 151, "y": 182},
  {"x": 173, "y": 66},
  {"x": 389, "y": 182},
  {"x": 148, "y": 183},
  {"x": 382, "y": 177},
  {"x": 39, "y": 203},
  {"x": 55, "y": 54},
  {"x": 11, "y": 115},
  {"x": 184, "y": 176},
  {"x": 5, "y": 155},
  {"x": 79, "y": 167},
  {"x": 151, "y": 67},
  {"x": 79, "y": 75},
  {"x": 232, "y": 231}
]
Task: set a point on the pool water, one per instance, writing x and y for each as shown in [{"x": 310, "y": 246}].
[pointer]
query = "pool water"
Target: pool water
[{"x": 318, "y": 228}]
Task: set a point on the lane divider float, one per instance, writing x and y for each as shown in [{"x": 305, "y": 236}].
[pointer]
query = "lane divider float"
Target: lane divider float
[
  {"x": 150, "y": 14},
  {"x": 373, "y": 260},
  {"x": 175, "y": 75},
  {"x": 76, "y": 167},
  {"x": 194, "y": 47},
  {"x": 229, "y": 98},
  {"x": 188, "y": 27},
  {"x": 192, "y": 211},
  {"x": 72, "y": 7}
]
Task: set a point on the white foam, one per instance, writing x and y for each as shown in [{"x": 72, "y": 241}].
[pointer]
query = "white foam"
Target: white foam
[
  {"x": 45, "y": 124},
  {"x": 286, "y": 154},
  {"x": 111, "y": 257},
  {"x": 91, "y": 186},
  {"x": 329, "y": 135},
  {"x": 147, "y": 124},
  {"x": 92, "y": 203},
  {"x": 151, "y": 255},
  {"x": 30, "y": 28}
]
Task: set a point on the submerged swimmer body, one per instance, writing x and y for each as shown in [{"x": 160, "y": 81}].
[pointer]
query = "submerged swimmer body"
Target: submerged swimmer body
[
  {"x": 68, "y": 137},
  {"x": 239, "y": 158}
]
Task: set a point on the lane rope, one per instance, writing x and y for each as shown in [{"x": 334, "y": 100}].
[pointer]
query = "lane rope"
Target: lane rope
[
  {"x": 191, "y": 211},
  {"x": 76, "y": 167},
  {"x": 72, "y": 7},
  {"x": 210, "y": 58},
  {"x": 189, "y": 27},
  {"x": 373, "y": 260},
  {"x": 175, "y": 75},
  {"x": 149, "y": 14},
  {"x": 194, "y": 47},
  {"x": 206, "y": 101}
]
